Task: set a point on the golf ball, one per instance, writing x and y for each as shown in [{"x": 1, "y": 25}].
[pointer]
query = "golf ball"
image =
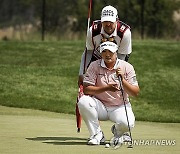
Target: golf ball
[{"x": 107, "y": 145}]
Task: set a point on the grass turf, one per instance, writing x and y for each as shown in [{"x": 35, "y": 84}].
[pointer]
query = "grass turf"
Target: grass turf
[
  {"x": 43, "y": 75},
  {"x": 32, "y": 131}
]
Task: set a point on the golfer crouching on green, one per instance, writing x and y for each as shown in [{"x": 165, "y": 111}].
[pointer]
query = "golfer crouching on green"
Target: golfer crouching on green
[{"x": 103, "y": 99}]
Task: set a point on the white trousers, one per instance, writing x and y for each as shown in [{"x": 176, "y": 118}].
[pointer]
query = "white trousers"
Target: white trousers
[{"x": 92, "y": 110}]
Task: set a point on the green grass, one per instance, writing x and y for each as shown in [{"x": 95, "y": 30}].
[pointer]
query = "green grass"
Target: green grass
[
  {"x": 39, "y": 75},
  {"x": 158, "y": 69},
  {"x": 43, "y": 75},
  {"x": 39, "y": 132}
]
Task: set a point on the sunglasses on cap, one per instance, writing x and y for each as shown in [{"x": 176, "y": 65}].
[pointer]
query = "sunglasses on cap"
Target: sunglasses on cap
[{"x": 111, "y": 39}]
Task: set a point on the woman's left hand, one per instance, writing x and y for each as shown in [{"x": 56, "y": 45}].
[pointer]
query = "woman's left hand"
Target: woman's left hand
[{"x": 120, "y": 73}]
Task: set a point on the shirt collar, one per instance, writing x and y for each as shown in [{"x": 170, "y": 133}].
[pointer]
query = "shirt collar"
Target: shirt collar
[
  {"x": 115, "y": 66},
  {"x": 107, "y": 35}
]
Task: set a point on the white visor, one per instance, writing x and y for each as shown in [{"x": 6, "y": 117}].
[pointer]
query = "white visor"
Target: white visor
[{"x": 109, "y": 46}]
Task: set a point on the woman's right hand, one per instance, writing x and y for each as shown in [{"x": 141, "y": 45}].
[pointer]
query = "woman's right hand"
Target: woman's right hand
[{"x": 112, "y": 87}]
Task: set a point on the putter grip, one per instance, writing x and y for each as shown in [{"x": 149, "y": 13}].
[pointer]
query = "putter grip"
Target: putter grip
[{"x": 120, "y": 82}]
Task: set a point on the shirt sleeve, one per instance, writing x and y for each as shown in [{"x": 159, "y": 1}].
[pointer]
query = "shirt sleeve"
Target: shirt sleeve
[
  {"x": 126, "y": 44},
  {"x": 131, "y": 75},
  {"x": 91, "y": 74}
]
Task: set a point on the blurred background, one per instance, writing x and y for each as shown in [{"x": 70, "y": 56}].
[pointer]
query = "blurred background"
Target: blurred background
[{"x": 67, "y": 19}]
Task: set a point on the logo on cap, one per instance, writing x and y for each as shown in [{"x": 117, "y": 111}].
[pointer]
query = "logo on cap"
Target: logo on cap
[{"x": 107, "y": 13}]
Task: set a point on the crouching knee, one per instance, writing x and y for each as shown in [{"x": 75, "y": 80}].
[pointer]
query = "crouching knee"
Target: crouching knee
[
  {"x": 85, "y": 102},
  {"x": 124, "y": 127},
  {"x": 82, "y": 101}
]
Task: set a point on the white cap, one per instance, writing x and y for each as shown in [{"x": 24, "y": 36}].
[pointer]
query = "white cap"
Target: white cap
[
  {"x": 108, "y": 45},
  {"x": 109, "y": 13}
]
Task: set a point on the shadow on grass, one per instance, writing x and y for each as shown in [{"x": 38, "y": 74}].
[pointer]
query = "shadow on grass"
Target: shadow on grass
[{"x": 60, "y": 140}]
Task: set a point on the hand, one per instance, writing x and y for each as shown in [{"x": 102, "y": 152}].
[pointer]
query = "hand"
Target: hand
[
  {"x": 113, "y": 87},
  {"x": 120, "y": 73},
  {"x": 80, "y": 80}
]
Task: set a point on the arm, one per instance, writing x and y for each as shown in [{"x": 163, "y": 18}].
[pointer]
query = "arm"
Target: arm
[
  {"x": 123, "y": 56},
  {"x": 91, "y": 90},
  {"x": 90, "y": 80},
  {"x": 129, "y": 88},
  {"x": 86, "y": 56},
  {"x": 125, "y": 48}
]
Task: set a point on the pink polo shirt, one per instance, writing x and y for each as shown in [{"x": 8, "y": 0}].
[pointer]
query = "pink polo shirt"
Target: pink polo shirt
[{"x": 99, "y": 75}]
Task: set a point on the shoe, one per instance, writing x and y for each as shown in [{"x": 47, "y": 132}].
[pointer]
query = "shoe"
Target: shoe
[
  {"x": 116, "y": 142},
  {"x": 126, "y": 136},
  {"x": 97, "y": 139}
]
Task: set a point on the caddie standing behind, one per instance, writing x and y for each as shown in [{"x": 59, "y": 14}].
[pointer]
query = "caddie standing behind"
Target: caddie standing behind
[{"x": 109, "y": 28}]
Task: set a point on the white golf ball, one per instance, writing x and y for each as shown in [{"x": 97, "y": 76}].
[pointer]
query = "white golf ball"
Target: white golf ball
[{"x": 107, "y": 145}]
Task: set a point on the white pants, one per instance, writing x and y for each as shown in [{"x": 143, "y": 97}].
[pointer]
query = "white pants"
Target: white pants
[{"x": 92, "y": 110}]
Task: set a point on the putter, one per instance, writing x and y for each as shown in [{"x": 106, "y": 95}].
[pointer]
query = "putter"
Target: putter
[{"x": 122, "y": 91}]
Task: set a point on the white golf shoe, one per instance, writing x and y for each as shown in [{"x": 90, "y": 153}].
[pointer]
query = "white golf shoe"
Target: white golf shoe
[
  {"x": 97, "y": 139},
  {"x": 116, "y": 142},
  {"x": 126, "y": 137}
]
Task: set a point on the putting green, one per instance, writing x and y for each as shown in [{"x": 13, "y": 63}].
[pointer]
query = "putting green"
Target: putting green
[{"x": 31, "y": 131}]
